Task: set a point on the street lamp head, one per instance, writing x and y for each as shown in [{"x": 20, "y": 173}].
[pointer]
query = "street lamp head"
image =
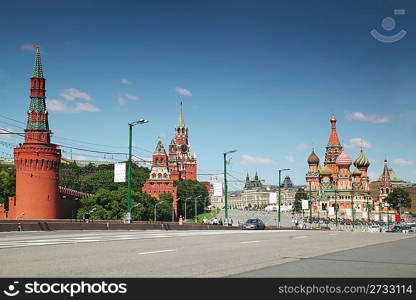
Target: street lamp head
[
  {"x": 231, "y": 151},
  {"x": 140, "y": 121},
  {"x": 285, "y": 169}
]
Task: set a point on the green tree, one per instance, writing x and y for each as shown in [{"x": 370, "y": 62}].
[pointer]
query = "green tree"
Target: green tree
[
  {"x": 7, "y": 183},
  {"x": 90, "y": 179},
  {"x": 112, "y": 205},
  {"x": 191, "y": 190},
  {"x": 398, "y": 198},
  {"x": 299, "y": 196}
]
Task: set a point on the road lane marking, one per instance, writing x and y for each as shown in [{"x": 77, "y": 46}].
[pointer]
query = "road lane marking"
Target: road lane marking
[
  {"x": 160, "y": 251},
  {"x": 249, "y": 242},
  {"x": 301, "y": 237}
]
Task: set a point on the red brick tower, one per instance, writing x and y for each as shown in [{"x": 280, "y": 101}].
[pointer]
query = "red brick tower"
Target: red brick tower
[
  {"x": 182, "y": 164},
  {"x": 37, "y": 160},
  {"x": 160, "y": 180}
]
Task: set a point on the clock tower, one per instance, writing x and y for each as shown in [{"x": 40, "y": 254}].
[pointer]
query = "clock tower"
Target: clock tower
[{"x": 182, "y": 164}]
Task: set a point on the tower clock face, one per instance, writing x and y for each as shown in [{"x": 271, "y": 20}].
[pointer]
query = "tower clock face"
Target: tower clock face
[{"x": 184, "y": 148}]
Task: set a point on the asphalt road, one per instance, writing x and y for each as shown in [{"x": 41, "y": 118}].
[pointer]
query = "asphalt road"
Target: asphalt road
[{"x": 196, "y": 254}]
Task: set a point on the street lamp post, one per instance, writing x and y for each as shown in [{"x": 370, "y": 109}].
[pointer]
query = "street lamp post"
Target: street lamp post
[
  {"x": 225, "y": 181},
  {"x": 278, "y": 214},
  {"x": 141, "y": 121},
  {"x": 196, "y": 209},
  {"x": 336, "y": 209},
  {"x": 310, "y": 204},
  {"x": 155, "y": 207}
]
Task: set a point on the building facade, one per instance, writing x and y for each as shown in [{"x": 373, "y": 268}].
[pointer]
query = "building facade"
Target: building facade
[
  {"x": 333, "y": 189},
  {"x": 178, "y": 164},
  {"x": 255, "y": 194}
]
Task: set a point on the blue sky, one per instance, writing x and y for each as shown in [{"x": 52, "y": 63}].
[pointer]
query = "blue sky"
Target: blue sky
[{"x": 262, "y": 77}]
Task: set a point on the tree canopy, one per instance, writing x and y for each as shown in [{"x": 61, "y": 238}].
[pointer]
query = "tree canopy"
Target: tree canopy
[
  {"x": 299, "y": 196},
  {"x": 398, "y": 198},
  {"x": 191, "y": 191},
  {"x": 7, "y": 183}
]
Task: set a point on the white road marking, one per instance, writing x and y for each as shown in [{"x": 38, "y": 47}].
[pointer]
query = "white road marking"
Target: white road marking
[
  {"x": 160, "y": 251},
  {"x": 249, "y": 242},
  {"x": 301, "y": 237}
]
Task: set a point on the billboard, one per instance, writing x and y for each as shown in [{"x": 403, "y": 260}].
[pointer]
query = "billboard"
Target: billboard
[
  {"x": 305, "y": 204},
  {"x": 120, "y": 172},
  {"x": 331, "y": 210},
  {"x": 217, "y": 186},
  {"x": 273, "y": 198}
]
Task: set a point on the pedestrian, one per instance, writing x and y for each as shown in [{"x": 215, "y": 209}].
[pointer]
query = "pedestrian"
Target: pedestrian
[
  {"x": 220, "y": 221},
  {"x": 215, "y": 221},
  {"x": 180, "y": 220}
]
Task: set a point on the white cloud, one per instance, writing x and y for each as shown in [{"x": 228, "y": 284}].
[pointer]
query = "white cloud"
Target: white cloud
[
  {"x": 80, "y": 157},
  {"x": 402, "y": 162},
  {"x": 253, "y": 160},
  {"x": 125, "y": 81},
  {"x": 183, "y": 92},
  {"x": 132, "y": 97},
  {"x": 359, "y": 116},
  {"x": 302, "y": 147},
  {"x": 290, "y": 158},
  {"x": 6, "y": 130},
  {"x": 27, "y": 47},
  {"x": 373, "y": 176},
  {"x": 122, "y": 99},
  {"x": 357, "y": 143},
  {"x": 64, "y": 107},
  {"x": 72, "y": 94}
]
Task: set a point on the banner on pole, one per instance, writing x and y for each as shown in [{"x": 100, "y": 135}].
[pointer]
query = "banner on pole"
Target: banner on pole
[
  {"x": 120, "y": 172},
  {"x": 365, "y": 215},
  {"x": 331, "y": 210},
  {"x": 348, "y": 212},
  {"x": 273, "y": 198},
  {"x": 305, "y": 204},
  {"x": 217, "y": 189}
]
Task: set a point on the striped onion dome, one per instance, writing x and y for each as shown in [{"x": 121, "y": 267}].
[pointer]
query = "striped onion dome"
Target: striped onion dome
[
  {"x": 343, "y": 159},
  {"x": 361, "y": 161},
  {"x": 325, "y": 171},
  {"x": 356, "y": 172},
  {"x": 313, "y": 159}
]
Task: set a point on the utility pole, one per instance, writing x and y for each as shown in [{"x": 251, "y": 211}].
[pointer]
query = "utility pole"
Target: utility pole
[
  {"x": 128, "y": 215},
  {"x": 225, "y": 182},
  {"x": 278, "y": 214}
]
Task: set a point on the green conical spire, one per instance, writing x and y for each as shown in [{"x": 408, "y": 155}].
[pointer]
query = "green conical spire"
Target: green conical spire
[
  {"x": 181, "y": 122},
  {"x": 37, "y": 67}
]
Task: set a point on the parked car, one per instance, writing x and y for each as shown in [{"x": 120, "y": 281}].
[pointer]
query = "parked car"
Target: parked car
[
  {"x": 407, "y": 229},
  {"x": 374, "y": 228},
  {"x": 254, "y": 224},
  {"x": 396, "y": 228}
]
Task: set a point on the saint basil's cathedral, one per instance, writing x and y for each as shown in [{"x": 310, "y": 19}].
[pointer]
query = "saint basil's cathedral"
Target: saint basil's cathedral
[{"x": 334, "y": 183}]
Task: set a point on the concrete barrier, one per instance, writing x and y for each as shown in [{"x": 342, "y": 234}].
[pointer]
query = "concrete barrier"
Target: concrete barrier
[{"x": 47, "y": 225}]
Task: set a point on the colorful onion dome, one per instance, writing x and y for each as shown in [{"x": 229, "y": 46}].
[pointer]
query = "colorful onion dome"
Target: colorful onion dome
[
  {"x": 362, "y": 161},
  {"x": 313, "y": 159},
  {"x": 356, "y": 172},
  {"x": 343, "y": 159},
  {"x": 326, "y": 171}
]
